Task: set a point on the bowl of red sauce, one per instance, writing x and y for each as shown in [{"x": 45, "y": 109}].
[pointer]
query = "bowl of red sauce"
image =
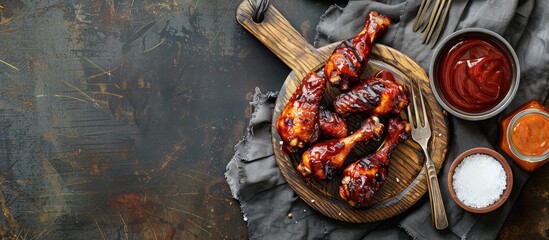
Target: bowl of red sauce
[{"x": 474, "y": 73}]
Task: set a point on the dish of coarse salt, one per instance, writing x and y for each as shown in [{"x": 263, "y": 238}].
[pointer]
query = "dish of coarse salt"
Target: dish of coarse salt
[{"x": 480, "y": 180}]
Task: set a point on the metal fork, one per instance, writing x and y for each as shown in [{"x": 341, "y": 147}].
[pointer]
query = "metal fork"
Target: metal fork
[
  {"x": 433, "y": 20},
  {"x": 421, "y": 133}
]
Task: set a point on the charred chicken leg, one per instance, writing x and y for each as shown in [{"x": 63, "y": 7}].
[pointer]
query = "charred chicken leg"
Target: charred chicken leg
[
  {"x": 323, "y": 159},
  {"x": 376, "y": 96},
  {"x": 332, "y": 125},
  {"x": 298, "y": 124},
  {"x": 363, "y": 178},
  {"x": 346, "y": 64}
]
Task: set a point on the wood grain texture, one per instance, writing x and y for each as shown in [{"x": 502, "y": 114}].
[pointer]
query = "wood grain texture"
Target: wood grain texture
[
  {"x": 406, "y": 182},
  {"x": 281, "y": 38}
]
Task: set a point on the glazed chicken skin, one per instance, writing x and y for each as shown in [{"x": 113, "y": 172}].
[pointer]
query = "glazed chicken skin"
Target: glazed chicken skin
[
  {"x": 346, "y": 64},
  {"x": 298, "y": 124},
  {"x": 375, "y": 96},
  {"x": 363, "y": 178},
  {"x": 331, "y": 124},
  {"x": 323, "y": 159}
]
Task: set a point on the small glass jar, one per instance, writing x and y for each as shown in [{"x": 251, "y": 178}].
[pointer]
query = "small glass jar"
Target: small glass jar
[{"x": 524, "y": 135}]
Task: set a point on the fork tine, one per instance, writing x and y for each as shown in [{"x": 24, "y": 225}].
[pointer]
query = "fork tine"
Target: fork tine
[
  {"x": 437, "y": 17},
  {"x": 431, "y": 16},
  {"x": 425, "y": 120},
  {"x": 410, "y": 116},
  {"x": 441, "y": 25},
  {"x": 416, "y": 110},
  {"x": 422, "y": 9}
]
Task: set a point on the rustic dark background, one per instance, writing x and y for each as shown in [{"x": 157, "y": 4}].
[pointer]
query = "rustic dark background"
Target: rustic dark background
[{"x": 117, "y": 118}]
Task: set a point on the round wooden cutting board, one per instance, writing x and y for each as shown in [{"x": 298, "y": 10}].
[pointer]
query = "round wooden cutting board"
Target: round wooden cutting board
[{"x": 406, "y": 181}]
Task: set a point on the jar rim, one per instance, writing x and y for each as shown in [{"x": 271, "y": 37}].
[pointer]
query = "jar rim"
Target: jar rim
[{"x": 510, "y": 130}]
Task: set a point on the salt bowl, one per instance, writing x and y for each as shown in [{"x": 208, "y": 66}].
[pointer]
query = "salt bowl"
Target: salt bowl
[{"x": 480, "y": 180}]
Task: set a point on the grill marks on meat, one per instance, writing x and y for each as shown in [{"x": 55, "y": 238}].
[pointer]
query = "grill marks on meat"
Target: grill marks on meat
[
  {"x": 323, "y": 159},
  {"x": 364, "y": 177},
  {"x": 375, "y": 96},
  {"x": 346, "y": 64},
  {"x": 303, "y": 120},
  {"x": 298, "y": 124},
  {"x": 332, "y": 125}
]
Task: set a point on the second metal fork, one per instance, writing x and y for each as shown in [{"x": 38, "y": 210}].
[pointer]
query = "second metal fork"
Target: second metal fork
[
  {"x": 421, "y": 133},
  {"x": 433, "y": 19}
]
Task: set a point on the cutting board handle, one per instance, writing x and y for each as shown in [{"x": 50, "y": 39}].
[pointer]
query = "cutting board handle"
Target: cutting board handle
[{"x": 281, "y": 38}]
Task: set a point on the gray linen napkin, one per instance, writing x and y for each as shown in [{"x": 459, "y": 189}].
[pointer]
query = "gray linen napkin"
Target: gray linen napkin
[{"x": 266, "y": 199}]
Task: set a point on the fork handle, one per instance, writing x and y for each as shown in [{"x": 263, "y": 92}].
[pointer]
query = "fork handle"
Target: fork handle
[{"x": 437, "y": 205}]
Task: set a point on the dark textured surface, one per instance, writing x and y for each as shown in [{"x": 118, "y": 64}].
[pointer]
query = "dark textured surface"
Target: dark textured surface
[
  {"x": 117, "y": 118},
  {"x": 122, "y": 115}
]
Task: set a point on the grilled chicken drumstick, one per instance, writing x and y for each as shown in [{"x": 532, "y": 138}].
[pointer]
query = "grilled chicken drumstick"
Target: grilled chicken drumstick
[
  {"x": 298, "y": 124},
  {"x": 323, "y": 159},
  {"x": 375, "y": 96},
  {"x": 363, "y": 178},
  {"x": 332, "y": 125},
  {"x": 346, "y": 64}
]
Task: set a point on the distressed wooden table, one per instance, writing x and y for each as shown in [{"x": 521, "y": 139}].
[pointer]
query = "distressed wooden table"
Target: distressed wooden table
[{"x": 117, "y": 118}]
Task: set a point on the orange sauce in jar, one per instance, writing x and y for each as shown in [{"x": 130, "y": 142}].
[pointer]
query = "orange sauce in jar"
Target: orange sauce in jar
[
  {"x": 530, "y": 135},
  {"x": 525, "y": 135}
]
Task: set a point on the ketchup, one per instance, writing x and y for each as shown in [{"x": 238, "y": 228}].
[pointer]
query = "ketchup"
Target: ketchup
[{"x": 475, "y": 75}]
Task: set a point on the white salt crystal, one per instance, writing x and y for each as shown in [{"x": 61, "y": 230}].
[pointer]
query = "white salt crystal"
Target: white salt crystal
[{"x": 479, "y": 180}]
